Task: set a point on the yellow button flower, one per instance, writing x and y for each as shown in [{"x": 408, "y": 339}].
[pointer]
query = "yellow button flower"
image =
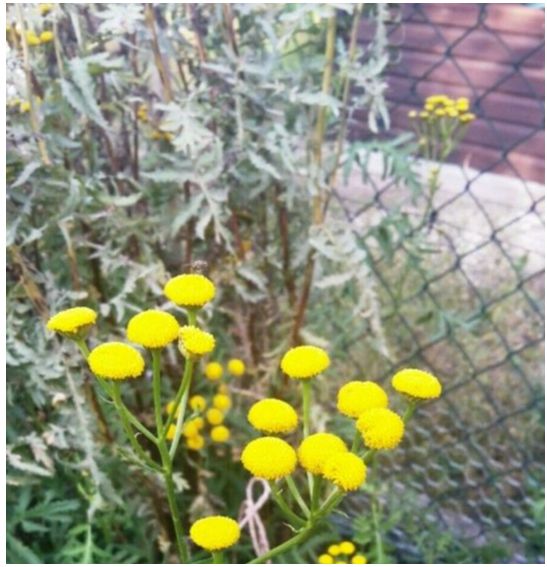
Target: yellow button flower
[
  {"x": 325, "y": 559},
  {"x": 170, "y": 408},
  {"x": 356, "y": 397},
  {"x": 45, "y": 9},
  {"x": 190, "y": 290},
  {"x": 32, "y": 38},
  {"x": 334, "y": 550},
  {"x": 304, "y": 362},
  {"x": 220, "y": 434},
  {"x": 214, "y": 416},
  {"x": 417, "y": 384},
  {"x": 213, "y": 371},
  {"x": 153, "y": 329},
  {"x": 46, "y": 36},
  {"x": 24, "y": 106},
  {"x": 381, "y": 428},
  {"x": 317, "y": 448},
  {"x": 197, "y": 403},
  {"x": 273, "y": 416},
  {"x": 116, "y": 361},
  {"x": 359, "y": 560},
  {"x": 269, "y": 458},
  {"x": 215, "y": 533},
  {"x": 72, "y": 322},
  {"x": 195, "y": 342},
  {"x": 195, "y": 443},
  {"x": 347, "y": 547},
  {"x": 345, "y": 470},
  {"x": 192, "y": 427},
  {"x": 222, "y": 402},
  {"x": 236, "y": 367}
]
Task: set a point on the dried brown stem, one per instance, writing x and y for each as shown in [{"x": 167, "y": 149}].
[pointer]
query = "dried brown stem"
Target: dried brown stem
[{"x": 160, "y": 64}]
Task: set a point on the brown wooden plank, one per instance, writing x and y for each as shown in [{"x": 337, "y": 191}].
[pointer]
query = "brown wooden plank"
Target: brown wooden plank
[
  {"x": 485, "y": 75},
  {"x": 506, "y": 48},
  {"x": 512, "y": 18},
  {"x": 493, "y": 105}
]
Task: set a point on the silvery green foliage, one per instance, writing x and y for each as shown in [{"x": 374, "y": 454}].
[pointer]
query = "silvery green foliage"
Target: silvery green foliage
[{"x": 119, "y": 209}]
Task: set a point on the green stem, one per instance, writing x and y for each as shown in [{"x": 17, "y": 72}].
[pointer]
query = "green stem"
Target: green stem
[
  {"x": 173, "y": 507},
  {"x": 156, "y": 386},
  {"x": 82, "y": 345},
  {"x": 316, "y": 494},
  {"x": 218, "y": 557},
  {"x": 332, "y": 501},
  {"x": 284, "y": 507},
  {"x": 356, "y": 441},
  {"x": 380, "y": 555},
  {"x": 181, "y": 407},
  {"x": 297, "y": 496},
  {"x": 410, "y": 409},
  {"x": 285, "y": 546},
  {"x": 306, "y": 410},
  {"x": 139, "y": 451}
]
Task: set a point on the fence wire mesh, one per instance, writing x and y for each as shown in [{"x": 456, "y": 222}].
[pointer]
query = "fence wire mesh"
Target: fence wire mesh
[{"x": 465, "y": 301}]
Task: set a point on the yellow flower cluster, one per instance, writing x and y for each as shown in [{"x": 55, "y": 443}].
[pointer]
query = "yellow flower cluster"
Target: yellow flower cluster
[
  {"x": 215, "y": 533},
  {"x": 269, "y": 458},
  {"x": 194, "y": 342},
  {"x": 72, "y": 322},
  {"x": 342, "y": 552},
  {"x": 236, "y": 367},
  {"x": 190, "y": 290},
  {"x": 381, "y": 428},
  {"x": 441, "y": 106},
  {"x": 273, "y": 416},
  {"x": 417, "y": 384},
  {"x": 34, "y": 40},
  {"x": 315, "y": 450},
  {"x": 153, "y": 329},
  {"x": 214, "y": 416},
  {"x": 356, "y": 397},
  {"x": 116, "y": 361},
  {"x": 213, "y": 371},
  {"x": 304, "y": 362}
]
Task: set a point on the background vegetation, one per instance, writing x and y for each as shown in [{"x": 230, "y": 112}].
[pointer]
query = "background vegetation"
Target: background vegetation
[{"x": 145, "y": 141}]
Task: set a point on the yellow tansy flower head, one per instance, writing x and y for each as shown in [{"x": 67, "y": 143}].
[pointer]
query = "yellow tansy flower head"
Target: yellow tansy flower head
[
  {"x": 192, "y": 427},
  {"x": 347, "y": 547},
  {"x": 356, "y": 397},
  {"x": 45, "y": 9},
  {"x": 195, "y": 443},
  {"x": 220, "y": 434},
  {"x": 72, "y": 322},
  {"x": 190, "y": 290},
  {"x": 359, "y": 560},
  {"x": 273, "y": 416},
  {"x": 215, "y": 533},
  {"x": 304, "y": 362},
  {"x": 417, "y": 384},
  {"x": 214, "y": 416},
  {"x": 197, "y": 403},
  {"x": 153, "y": 328},
  {"x": 46, "y": 36},
  {"x": 222, "y": 402},
  {"x": 269, "y": 458},
  {"x": 32, "y": 38},
  {"x": 236, "y": 367},
  {"x": 381, "y": 428},
  {"x": 345, "y": 470},
  {"x": 170, "y": 408},
  {"x": 316, "y": 449},
  {"x": 213, "y": 371},
  {"x": 195, "y": 342},
  {"x": 24, "y": 106},
  {"x": 334, "y": 550},
  {"x": 325, "y": 559},
  {"x": 116, "y": 361}
]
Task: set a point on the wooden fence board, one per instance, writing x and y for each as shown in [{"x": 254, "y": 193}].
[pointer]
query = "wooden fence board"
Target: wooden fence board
[{"x": 493, "y": 54}]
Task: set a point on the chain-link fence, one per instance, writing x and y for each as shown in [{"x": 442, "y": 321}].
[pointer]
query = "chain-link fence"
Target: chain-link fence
[{"x": 465, "y": 301}]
